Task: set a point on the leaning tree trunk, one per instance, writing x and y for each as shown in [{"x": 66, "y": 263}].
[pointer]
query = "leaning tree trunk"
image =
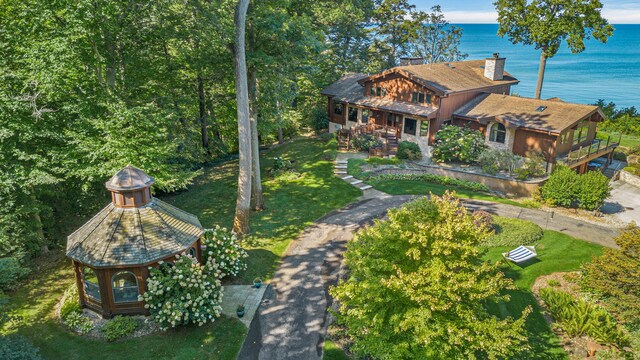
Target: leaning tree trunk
[
  {"x": 543, "y": 64},
  {"x": 257, "y": 200},
  {"x": 243, "y": 201}
]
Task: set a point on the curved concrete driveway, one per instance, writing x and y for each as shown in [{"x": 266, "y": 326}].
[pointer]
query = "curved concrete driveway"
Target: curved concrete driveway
[{"x": 290, "y": 323}]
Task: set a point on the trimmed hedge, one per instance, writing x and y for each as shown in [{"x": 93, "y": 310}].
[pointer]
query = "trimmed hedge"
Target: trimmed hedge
[
  {"x": 409, "y": 150},
  {"x": 436, "y": 179},
  {"x": 513, "y": 232}
]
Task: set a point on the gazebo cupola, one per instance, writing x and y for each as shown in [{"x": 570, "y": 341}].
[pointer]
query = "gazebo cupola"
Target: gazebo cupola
[
  {"x": 130, "y": 187},
  {"x": 113, "y": 251}
]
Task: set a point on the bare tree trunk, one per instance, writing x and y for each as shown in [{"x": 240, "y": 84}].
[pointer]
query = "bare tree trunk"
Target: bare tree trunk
[
  {"x": 243, "y": 201},
  {"x": 543, "y": 64},
  {"x": 257, "y": 199},
  {"x": 203, "y": 116}
]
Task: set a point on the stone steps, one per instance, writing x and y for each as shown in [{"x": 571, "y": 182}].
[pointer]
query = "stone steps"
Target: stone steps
[{"x": 340, "y": 169}]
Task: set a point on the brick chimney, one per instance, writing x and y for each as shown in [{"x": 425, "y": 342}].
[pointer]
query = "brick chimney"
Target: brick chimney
[{"x": 494, "y": 67}]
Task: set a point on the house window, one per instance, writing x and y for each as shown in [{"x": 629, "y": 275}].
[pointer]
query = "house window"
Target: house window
[
  {"x": 353, "y": 114},
  {"x": 498, "y": 133},
  {"x": 378, "y": 91},
  {"x": 365, "y": 115},
  {"x": 421, "y": 98},
  {"x": 424, "y": 128},
  {"x": 410, "y": 126},
  {"x": 125, "y": 287},
  {"x": 193, "y": 252},
  {"x": 90, "y": 281},
  {"x": 564, "y": 138},
  {"x": 580, "y": 133},
  {"x": 337, "y": 108}
]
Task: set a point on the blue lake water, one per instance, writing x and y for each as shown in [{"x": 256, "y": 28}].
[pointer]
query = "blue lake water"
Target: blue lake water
[{"x": 608, "y": 71}]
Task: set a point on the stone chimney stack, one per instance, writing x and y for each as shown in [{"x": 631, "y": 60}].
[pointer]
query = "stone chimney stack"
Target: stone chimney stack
[
  {"x": 494, "y": 67},
  {"x": 407, "y": 61}
]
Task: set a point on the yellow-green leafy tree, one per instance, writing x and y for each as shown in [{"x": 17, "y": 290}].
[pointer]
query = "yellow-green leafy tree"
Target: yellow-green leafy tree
[{"x": 419, "y": 289}]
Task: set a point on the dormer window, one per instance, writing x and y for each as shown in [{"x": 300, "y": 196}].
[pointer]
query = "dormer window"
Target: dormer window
[
  {"x": 421, "y": 97},
  {"x": 378, "y": 91}
]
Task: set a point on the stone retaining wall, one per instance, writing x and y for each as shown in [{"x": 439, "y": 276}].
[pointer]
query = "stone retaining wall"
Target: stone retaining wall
[
  {"x": 629, "y": 178},
  {"x": 506, "y": 186}
]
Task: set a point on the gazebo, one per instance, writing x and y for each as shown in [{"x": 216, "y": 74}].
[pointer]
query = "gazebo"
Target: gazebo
[{"x": 113, "y": 251}]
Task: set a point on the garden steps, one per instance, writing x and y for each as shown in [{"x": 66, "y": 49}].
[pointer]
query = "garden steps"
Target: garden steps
[{"x": 340, "y": 170}]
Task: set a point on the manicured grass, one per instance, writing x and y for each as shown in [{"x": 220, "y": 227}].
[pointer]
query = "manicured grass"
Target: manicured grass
[
  {"x": 629, "y": 141},
  {"x": 557, "y": 252},
  {"x": 292, "y": 201},
  {"x": 415, "y": 187}
]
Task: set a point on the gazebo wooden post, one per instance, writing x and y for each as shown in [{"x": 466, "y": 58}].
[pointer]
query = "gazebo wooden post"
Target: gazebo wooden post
[{"x": 78, "y": 273}]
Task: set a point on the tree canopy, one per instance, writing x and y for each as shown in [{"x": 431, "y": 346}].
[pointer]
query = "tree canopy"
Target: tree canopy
[{"x": 425, "y": 260}]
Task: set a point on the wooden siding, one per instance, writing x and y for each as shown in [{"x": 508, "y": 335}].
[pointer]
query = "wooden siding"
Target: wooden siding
[
  {"x": 399, "y": 88},
  {"x": 564, "y": 148},
  {"x": 530, "y": 140},
  {"x": 338, "y": 119}
]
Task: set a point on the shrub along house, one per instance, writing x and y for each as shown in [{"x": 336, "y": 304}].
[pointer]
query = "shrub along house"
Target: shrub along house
[
  {"x": 415, "y": 101},
  {"x": 113, "y": 251}
]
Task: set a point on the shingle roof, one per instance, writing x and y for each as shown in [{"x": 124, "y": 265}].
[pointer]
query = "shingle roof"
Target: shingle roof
[
  {"x": 348, "y": 89},
  {"x": 451, "y": 77},
  {"x": 133, "y": 236},
  {"x": 555, "y": 115},
  {"x": 129, "y": 178}
]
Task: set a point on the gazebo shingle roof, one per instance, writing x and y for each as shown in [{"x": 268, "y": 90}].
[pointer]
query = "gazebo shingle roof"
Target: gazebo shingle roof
[{"x": 133, "y": 236}]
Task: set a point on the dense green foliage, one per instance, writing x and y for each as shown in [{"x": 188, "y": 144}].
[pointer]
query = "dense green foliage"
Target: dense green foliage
[
  {"x": 436, "y": 179},
  {"x": 425, "y": 260},
  {"x": 409, "y": 150},
  {"x": 11, "y": 272},
  {"x": 70, "y": 303},
  {"x": 16, "y": 347},
  {"x": 456, "y": 144},
  {"x": 624, "y": 121},
  {"x": 578, "y": 317},
  {"x": 493, "y": 161},
  {"x": 615, "y": 277},
  {"x": 513, "y": 232},
  {"x": 91, "y": 87},
  {"x": 119, "y": 327},
  {"x": 566, "y": 188}
]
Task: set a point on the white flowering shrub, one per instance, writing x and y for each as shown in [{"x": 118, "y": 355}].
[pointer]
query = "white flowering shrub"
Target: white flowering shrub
[
  {"x": 184, "y": 293},
  {"x": 222, "y": 245}
]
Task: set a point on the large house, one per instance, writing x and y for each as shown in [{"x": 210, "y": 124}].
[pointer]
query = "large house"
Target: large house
[{"x": 415, "y": 101}]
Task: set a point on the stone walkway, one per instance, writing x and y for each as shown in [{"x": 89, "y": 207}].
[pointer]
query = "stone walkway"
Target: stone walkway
[{"x": 246, "y": 295}]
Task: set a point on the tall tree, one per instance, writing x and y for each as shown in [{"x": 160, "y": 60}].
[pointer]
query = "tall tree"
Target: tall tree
[
  {"x": 394, "y": 26},
  {"x": 547, "y": 23},
  {"x": 243, "y": 201},
  {"x": 257, "y": 199},
  {"x": 435, "y": 39}
]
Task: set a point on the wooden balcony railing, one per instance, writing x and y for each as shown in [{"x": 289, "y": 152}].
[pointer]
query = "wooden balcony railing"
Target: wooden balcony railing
[{"x": 597, "y": 147}]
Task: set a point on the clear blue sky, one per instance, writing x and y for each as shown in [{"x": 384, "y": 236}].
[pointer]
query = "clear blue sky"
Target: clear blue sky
[{"x": 482, "y": 11}]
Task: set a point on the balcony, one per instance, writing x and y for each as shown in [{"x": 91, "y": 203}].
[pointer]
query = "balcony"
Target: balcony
[{"x": 596, "y": 149}]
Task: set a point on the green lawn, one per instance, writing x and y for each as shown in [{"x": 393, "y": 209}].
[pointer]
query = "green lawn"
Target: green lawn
[
  {"x": 415, "y": 187},
  {"x": 556, "y": 252},
  {"x": 292, "y": 203},
  {"x": 628, "y": 141}
]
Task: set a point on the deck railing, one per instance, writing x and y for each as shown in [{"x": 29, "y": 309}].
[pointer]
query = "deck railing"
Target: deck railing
[{"x": 598, "y": 146}]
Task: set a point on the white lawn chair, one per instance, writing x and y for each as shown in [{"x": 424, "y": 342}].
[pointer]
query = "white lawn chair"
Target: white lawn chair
[{"x": 521, "y": 254}]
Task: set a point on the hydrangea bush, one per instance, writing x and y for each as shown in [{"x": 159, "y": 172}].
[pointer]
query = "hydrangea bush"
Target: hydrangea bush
[
  {"x": 222, "y": 246},
  {"x": 184, "y": 293}
]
